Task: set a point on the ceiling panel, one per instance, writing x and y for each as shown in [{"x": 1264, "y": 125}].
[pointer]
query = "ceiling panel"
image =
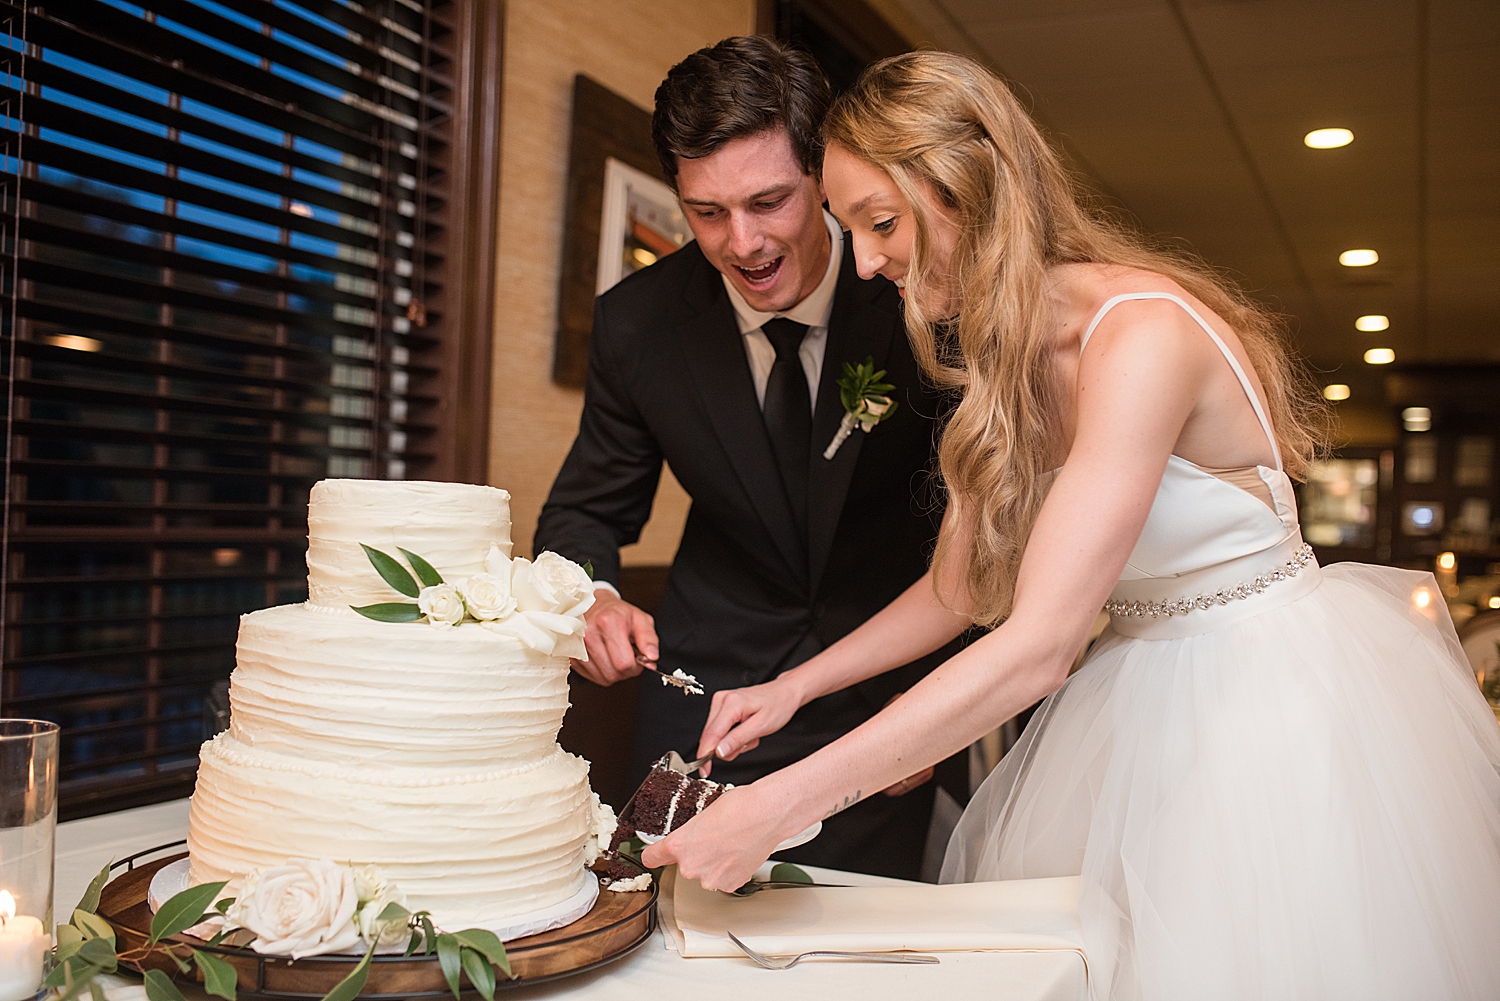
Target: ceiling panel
[{"x": 1191, "y": 113}]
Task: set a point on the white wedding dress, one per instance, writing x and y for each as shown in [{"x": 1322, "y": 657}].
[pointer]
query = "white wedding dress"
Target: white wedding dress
[{"x": 1289, "y": 794}]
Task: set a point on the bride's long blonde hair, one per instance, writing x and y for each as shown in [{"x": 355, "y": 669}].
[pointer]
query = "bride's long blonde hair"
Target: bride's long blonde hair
[{"x": 941, "y": 125}]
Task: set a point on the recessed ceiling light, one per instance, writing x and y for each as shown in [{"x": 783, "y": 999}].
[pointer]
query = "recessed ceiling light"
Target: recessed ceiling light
[
  {"x": 1335, "y": 391},
  {"x": 1417, "y": 418},
  {"x": 1372, "y": 323},
  {"x": 1328, "y": 138},
  {"x": 1358, "y": 258},
  {"x": 1379, "y": 356}
]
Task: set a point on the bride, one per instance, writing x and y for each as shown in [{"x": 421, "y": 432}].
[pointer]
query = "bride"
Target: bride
[{"x": 1276, "y": 780}]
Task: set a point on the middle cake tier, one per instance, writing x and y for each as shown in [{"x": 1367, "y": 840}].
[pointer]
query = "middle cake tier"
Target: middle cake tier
[{"x": 332, "y": 685}]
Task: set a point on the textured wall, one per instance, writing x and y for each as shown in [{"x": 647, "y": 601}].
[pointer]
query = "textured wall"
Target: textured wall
[{"x": 627, "y": 45}]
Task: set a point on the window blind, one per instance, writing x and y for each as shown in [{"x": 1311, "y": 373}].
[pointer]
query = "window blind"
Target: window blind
[{"x": 223, "y": 247}]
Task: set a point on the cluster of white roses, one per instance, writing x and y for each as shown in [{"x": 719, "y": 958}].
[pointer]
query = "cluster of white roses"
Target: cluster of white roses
[
  {"x": 541, "y": 603},
  {"x": 309, "y": 907}
]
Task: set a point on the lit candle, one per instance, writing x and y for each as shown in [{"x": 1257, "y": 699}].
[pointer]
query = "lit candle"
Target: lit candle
[{"x": 23, "y": 947}]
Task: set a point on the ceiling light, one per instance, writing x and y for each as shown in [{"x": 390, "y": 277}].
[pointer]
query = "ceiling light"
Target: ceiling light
[
  {"x": 1358, "y": 258},
  {"x": 1379, "y": 356},
  {"x": 1335, "y": 391},
  {"x": 1372, "y": 323},
  {"x": 1416, "y": 419},
  {"x": 1447, "y": 561},
  {"x": 1328, "y": 138}
]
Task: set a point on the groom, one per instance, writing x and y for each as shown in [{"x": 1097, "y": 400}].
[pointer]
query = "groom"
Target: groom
[{"x": 723, "y": 359}]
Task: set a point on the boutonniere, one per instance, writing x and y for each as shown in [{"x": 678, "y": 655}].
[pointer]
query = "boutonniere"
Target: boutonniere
[{"x": 865, "y": 400}]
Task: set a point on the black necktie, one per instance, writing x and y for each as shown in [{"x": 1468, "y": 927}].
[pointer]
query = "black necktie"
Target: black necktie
[{"x": 788, "y": 412}]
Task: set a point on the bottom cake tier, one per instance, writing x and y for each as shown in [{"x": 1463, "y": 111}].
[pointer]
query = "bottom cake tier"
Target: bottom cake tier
[{"x": 473, "y": 847}]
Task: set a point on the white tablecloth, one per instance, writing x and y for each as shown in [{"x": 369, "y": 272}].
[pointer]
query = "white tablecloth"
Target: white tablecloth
[{"x": 652, "y": 972}]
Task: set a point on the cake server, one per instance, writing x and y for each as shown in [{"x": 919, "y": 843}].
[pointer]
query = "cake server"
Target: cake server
[{"x": 751, "y": 888}]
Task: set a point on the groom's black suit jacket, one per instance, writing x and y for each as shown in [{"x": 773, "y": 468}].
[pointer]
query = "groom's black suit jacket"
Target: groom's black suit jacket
[{"x": 747, "y": 597}]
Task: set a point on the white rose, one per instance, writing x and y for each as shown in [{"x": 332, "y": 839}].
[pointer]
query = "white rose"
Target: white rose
[
  {"x": 497, "y": 563},
  {"x": 551, "y": 584},
  {"x": 303, "y": 908},
  {"x": 487, "y": 596},
  {"x": 376, "y": 892},
  {"x": 442, "y": 604},
  {"x": 871, "y": 411},
  {"x": 371, "y": 882}
]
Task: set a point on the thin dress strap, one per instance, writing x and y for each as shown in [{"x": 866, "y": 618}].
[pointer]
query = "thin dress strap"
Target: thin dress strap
[{"x": 1234, "y": 364}]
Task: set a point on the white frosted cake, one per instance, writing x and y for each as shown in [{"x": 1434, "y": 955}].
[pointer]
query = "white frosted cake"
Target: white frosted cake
[{"x": 429, "y": 751}]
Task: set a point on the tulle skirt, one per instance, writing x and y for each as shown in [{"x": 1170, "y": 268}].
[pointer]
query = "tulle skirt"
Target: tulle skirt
[{"x": 1304, "y": 804}]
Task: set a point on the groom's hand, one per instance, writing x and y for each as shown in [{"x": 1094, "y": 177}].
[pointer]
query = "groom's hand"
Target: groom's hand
[{"x": 616, "y": 630}]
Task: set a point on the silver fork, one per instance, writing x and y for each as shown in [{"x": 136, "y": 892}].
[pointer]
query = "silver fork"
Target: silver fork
[{"x": 787, "y": 962}]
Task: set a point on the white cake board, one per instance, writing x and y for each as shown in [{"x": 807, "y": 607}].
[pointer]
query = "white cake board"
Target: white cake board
[{"x": 171, "y": 880}]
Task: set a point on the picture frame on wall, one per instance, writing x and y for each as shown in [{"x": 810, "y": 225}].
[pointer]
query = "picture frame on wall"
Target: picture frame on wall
[
  {"x": 607, "y": 128},
  {"x": 641, "y": 222}
]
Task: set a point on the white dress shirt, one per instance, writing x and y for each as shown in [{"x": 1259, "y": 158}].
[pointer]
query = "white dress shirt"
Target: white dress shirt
[{"x": 813, "y": 311}]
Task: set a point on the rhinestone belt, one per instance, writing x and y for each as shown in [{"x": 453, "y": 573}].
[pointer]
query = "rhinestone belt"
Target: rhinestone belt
[{"x": 1223, "y": 596}]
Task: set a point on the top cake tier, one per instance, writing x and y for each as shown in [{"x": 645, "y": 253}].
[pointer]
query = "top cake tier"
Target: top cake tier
[{"x": 450, "y": 525}]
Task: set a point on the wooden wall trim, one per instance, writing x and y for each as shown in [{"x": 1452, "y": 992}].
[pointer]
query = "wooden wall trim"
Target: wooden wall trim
[
  {"x": 605, "y": 125},
  {"x": 463, "y": 449}
]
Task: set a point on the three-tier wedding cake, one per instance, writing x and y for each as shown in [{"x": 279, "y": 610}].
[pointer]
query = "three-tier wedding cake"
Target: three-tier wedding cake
[{"x": 425, "y": 747}]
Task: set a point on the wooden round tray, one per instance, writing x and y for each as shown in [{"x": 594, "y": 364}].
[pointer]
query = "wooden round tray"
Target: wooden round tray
[{"x": 618, "y": 924}]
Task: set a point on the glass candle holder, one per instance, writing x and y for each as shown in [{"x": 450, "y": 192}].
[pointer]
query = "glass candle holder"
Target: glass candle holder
[{"x": 28, "y": 833}]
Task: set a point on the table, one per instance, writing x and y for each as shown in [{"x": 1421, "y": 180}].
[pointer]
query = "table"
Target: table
[{"x": 651, "y": 973}]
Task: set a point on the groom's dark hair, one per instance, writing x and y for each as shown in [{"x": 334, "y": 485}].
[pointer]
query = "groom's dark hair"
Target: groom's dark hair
[{"x": 740, "y": 87}]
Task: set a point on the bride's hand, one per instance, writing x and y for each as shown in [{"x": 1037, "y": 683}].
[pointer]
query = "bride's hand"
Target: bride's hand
[
  {"x": 739, "y": 717},
  {"x": 724, "y": 845}
]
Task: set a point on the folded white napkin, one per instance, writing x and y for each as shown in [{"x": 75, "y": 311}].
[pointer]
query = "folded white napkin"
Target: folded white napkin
[{"x": 875, "y": 915}]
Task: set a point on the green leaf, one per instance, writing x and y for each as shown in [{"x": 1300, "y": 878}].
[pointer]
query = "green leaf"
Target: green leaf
[
  {"x": 487, "y": 944},
  {"x": 95, "y": 991},
  {"x": 390, "y": 611},
  {"x": 159, "y": 987},
  {"x": 66, "y": 950},
  {"x": 481, "y": 974},
  {"x": 348, "y": 988},
  {"x": 426, "y": 573},
  {"x": 393, "y": 912},
  {"x": 785, "y": 872},
  {"x": 222, "y": 906},
  {"x": 92, "y": 925},
  {"x": 416, "y": 940},
  {"x": 430, "y": 933},
  {"x": 68, "y": 935},
  {"x": 394, "y": 573},
  {"x": 59, "y": 976},
  {"x": 183, "y": 911},
  {"x": 90, "y": 901},
  {"x": 447, "y": 950},
  {"x": 218, "y": 976},
  {"x": 588, "y": 568},
  {"x": 98, "y": 952}
]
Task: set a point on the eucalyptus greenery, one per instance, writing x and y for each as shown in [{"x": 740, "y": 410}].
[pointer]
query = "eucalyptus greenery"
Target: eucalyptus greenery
[
  {"x": 86, "y": 948},
  {"x": 396, "y": 575}
]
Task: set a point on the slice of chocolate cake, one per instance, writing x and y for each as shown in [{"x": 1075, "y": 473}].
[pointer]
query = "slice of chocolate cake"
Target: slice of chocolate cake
[{"x": 668, "y": 799}]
